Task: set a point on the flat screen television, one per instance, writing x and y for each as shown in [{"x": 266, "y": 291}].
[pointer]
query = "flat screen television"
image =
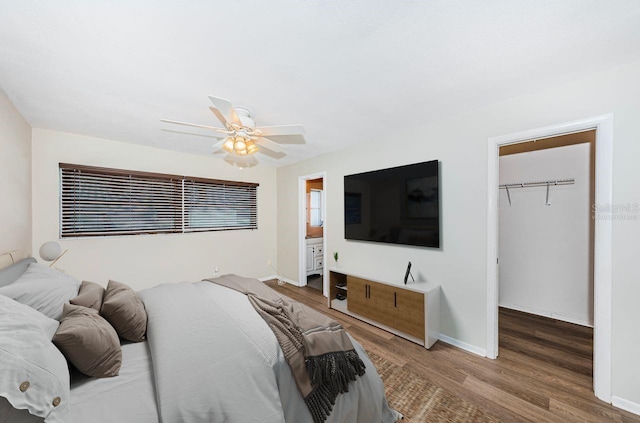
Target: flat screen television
[{"x": 399, "y": 205}]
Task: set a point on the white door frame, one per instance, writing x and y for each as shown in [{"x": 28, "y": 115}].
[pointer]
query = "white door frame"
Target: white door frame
[
  {"x": 302, "y": 228},
  {"x": 602, "y": 240}
]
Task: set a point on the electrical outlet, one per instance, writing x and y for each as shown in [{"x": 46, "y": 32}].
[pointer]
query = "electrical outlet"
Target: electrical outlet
[
  {"x": 216, "y": 271},
  {"x": 268, "y": 262}
]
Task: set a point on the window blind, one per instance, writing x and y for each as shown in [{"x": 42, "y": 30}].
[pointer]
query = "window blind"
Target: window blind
[
  {"x": 219, "y": 205},
  {"x": 99, "y": 201}
]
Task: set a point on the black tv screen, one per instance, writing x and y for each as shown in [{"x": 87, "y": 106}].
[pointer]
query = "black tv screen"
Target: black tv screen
[{"x": 399, "y": 205}]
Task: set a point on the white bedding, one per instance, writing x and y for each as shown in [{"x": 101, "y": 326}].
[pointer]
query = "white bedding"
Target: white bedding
[
  {"x": 216, "y": 360},
  {"x": 266, "y": 391},
  {"x": 129, "y": 397}
]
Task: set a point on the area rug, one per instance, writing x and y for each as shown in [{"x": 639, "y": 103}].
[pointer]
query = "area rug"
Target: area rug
[{"x": 421, "y": 401}]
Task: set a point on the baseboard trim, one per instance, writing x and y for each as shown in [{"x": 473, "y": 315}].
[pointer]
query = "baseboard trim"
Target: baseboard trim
[
  {"x": 556, "y": 316},
  {"x": 268, "y": 278},
  {"x": 463, "y": 345},
  {"x": 290, "y": 281},
  {"x": 626, "y": 405},
  {"x": 280, "y": 278}
]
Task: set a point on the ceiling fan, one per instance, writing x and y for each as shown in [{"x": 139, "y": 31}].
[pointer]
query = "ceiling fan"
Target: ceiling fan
[{"x": 241, "y": 138}]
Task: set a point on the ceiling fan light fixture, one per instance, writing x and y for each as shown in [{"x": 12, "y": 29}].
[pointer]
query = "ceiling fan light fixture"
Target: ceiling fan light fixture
[
  {"x": 241, "y": 162},
  {"x": 240, "y": 145},
  {"x": 242, "y": 138},
  {"x": 228, "y": 145},
  {"x": 252, "y": 148}
]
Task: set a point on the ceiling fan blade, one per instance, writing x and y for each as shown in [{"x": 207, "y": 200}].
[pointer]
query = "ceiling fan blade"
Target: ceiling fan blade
[
  {"x": 219, "y": 115},
  {"x": 215, "y": 136},
  {"x": 195, "y": 125},
  {"x": 273, "y": 154},
  {"x": 281, "y": 130},
  {"x": 288, "y": 139},
  {"x": 267, "y": 143},
  {"x": 226, "y": 109},
  {"x": 217, "y": 147}
]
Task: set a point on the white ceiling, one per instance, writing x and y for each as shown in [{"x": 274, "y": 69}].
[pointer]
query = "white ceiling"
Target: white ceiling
[{"x": 349, "y": 71}]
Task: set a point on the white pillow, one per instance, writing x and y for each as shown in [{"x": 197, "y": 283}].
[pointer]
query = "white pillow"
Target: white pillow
[
  {"x": 47, "y": 324},
  {"x": 33, "y": 373},
  {"x": 46, "y": 290}
]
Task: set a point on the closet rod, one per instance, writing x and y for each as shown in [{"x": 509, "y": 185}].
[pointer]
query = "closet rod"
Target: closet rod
[{"x": 539, "y": 183}]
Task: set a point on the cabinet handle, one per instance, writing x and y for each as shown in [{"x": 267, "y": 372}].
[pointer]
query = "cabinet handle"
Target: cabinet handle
[{"x": 395, "y": 304}]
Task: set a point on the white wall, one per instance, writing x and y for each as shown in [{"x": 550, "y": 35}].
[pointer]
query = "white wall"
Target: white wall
[
  {"x": 15, "y": 179},
  {"x": 460, "y": 143},
  {"x": 545, "y": 263},
  {"x": 147, "y": 260}
]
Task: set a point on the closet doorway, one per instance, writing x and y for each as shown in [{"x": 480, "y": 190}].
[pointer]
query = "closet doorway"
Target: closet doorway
[
  {"x": 601, "y": 235},
  {"x": 312, "y": 228},
  {"x": 545, "y": 250}
]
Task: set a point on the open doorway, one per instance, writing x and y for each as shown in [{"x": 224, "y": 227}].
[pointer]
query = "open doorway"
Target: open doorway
[
  {"x": 312, "y": 242},
  {"x": 545, "y": 250},
  {"x": 602, "y": 260}
]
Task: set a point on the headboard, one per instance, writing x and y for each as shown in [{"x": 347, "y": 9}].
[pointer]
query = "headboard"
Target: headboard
[{"x": 12, "y": 257}]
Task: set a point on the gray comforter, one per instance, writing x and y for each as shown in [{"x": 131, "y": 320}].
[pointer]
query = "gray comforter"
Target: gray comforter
[{"x": 216, "y": 360}]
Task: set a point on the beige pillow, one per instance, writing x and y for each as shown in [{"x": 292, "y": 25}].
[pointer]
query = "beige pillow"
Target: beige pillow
[
  {"x": 88, "y": 342},
  {"x": 90, "y": 295},
  {"x": 125, "y": 311}
]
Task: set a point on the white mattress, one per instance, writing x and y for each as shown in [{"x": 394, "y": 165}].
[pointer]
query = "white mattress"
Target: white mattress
[{"x": 129, "y": 397}]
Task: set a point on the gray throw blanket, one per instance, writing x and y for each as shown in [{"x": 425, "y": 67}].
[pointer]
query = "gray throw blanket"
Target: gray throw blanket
[{"x": 320, "y": 354}]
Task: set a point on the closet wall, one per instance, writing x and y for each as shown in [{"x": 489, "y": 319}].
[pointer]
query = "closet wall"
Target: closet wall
[{"x": 546, "y": 263}]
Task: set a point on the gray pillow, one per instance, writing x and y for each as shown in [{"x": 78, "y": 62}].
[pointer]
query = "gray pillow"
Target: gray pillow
[
  {"x": 33, "y": 375},
  {"x": 9, "y": 274},
  {"x": 89, "y": 342},
  {"x": 125, "y": 311},
  {"x": 44, "y": 289},
  {"x": 90, "y": 295}
]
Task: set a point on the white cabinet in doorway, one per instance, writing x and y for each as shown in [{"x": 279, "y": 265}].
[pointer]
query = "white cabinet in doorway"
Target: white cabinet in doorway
[{"x": 314, "y": 256}]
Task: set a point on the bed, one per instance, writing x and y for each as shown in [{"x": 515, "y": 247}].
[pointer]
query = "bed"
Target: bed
[{"x": 208, "y": 356}]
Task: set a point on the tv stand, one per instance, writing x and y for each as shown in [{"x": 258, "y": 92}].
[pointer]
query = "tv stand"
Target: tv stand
[{"x": 410, "y": 311}]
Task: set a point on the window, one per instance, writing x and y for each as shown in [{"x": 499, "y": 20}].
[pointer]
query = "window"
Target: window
[
  {"x": 315, "y": 207},
  {"x": 219, "y": 205},
  {"x": 99, "y": 201}
]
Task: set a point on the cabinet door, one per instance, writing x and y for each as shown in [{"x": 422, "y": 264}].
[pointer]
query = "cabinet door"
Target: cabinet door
[
  {"x": 409, "y": 312},
  {"x": 381, "y": 303},
  {"x": 357, "y": 295},
  {"x": 310, "y": 262}
]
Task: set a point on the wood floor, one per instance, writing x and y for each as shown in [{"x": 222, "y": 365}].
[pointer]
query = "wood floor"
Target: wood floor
[{"x": 543, "y": 373}]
